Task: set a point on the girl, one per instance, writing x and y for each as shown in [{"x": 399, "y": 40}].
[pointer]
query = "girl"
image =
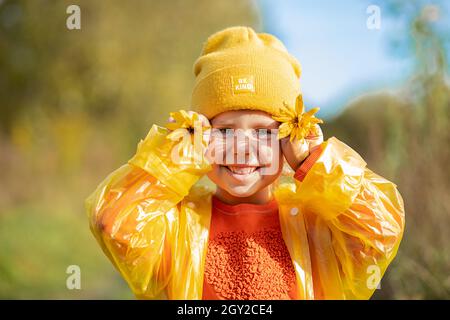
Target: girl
[{"x": 327, "y": 232}]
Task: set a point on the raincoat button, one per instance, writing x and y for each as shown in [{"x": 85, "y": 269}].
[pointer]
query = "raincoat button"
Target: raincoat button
[
  {"x": 294, "y": 211},
  {"x": 191, "y": 205}
]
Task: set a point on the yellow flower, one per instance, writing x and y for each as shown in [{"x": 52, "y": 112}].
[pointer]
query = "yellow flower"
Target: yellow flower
[
  {"x": 183, "y": 129},
  {"x": 295, "y": 122}
]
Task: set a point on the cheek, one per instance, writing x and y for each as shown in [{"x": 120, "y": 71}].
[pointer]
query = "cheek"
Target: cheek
[
  {"x": 269, "y": 155},
  {"x": 266, "y": 154},
  {"x": 214, "y": 175},
  {"x": 217, "y": 151}
]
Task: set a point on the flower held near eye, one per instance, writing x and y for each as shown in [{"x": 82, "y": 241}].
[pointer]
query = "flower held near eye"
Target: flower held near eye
[
  {"x": 295, "y": 122},
  {"x": 183, "y": 129}
]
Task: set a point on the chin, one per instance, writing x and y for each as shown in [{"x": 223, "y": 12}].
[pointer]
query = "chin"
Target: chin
[{"x": 242, "y": 191}]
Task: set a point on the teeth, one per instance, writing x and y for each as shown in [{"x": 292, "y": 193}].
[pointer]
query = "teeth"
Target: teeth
[{"x": 242, "y": 170}]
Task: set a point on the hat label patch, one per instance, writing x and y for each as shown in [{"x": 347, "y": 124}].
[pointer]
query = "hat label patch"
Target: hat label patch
[{"x": 243, "y": 84}]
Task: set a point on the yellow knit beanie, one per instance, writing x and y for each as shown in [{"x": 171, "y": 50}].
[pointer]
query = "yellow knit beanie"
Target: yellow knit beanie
[{"x": 241, "y": 69}]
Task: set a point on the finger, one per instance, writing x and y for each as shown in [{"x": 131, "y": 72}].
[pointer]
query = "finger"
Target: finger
[
  {"x": 316, "y": 136},
  {"x": 294, "y": 151},
  {"x": 204, "y": 120},
  {"x": 316, "y": 133},
  {"x": 204, "y": 123},
  {"x": 211, "y": 151}
]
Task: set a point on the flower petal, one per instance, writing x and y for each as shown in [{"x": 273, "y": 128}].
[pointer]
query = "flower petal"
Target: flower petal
[
  {"x": 312, "y": 111},
  {"x": 193, "y": 119},
  {"x": 177, "y": 134},
  {"x": 178, "y": 116},
  {"x": 172, "y": 126},
  {"x": 299, "y": 106},
  {"x": 284, "y": 130}
]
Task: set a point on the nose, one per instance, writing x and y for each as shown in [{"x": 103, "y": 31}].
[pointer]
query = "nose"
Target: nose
[
  {"x": 244, "y": 146},
  {"x": 241, "y": 143}
]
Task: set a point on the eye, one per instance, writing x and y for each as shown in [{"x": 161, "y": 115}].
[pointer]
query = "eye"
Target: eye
[
  {"x": 226, "y": 132},
  {"x": 263, "y": 133}
]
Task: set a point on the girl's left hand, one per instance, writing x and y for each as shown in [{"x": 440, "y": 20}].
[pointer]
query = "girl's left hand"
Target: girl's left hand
[{"x": 297, "y": 151}]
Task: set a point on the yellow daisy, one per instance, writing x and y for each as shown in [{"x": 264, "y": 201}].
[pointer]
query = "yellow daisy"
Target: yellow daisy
[
  {"x": 295, "y": 122},
  {"x": 183, "y": 130}
]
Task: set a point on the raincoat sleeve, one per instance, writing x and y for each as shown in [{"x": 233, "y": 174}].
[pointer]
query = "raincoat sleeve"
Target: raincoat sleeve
[
  {"x": 134, "y": 216},
  {"x": 363, "y": 212}
]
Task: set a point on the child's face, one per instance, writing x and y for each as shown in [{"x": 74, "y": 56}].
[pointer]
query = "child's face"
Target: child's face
[{"x": 247, "y": 155}]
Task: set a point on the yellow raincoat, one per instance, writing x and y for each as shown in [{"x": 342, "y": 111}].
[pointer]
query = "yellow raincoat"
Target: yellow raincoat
[{"x": 342, "y": 224}]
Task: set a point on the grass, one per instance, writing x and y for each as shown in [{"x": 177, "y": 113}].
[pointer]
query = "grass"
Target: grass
[{"x": 37, "y": 246}]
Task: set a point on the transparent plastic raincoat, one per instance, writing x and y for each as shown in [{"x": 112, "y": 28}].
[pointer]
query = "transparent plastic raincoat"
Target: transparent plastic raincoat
[{"x": 342, "y": 223}]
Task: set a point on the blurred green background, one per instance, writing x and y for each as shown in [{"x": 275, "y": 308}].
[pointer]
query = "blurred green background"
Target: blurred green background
[{"x": 75, "y": 103}]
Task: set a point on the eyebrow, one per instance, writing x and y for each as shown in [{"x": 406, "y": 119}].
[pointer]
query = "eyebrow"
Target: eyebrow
[
  {"x": 223, "y": 124},
  {"x": 273, "y": 125}
]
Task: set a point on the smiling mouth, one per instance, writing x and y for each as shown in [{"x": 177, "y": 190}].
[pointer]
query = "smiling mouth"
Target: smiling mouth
[
  {"x": 241, "y": 173},
  {"x": 241, "y": 170}
]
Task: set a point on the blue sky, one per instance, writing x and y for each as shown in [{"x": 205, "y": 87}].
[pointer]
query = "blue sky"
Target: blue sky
[{"x": 340, "y": 57}]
